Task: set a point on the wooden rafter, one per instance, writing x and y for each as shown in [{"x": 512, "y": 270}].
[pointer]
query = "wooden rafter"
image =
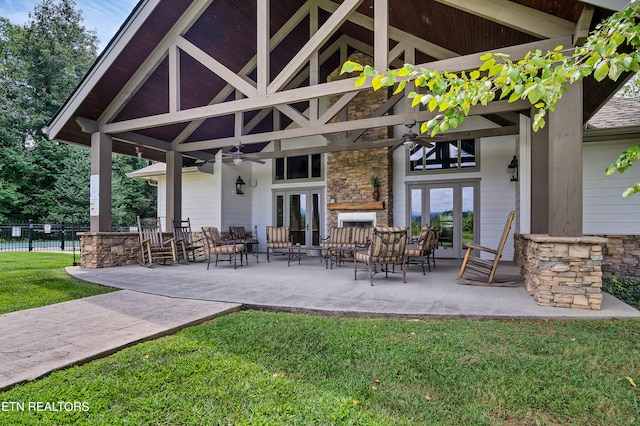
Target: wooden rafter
[{"x": 516, "y": 16}]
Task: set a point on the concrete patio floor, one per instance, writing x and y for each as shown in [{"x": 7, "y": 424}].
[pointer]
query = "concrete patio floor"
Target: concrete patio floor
[{"x": 310, "y": 287}]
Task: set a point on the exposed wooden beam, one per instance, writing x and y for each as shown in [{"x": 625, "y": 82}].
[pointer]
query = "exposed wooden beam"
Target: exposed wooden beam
[
  {"x": 294, "y": 114},
  {"x": 381, "y": 35},
  {"x": 156, "y": 144},
  {"x": 379, "y": 112},
  {"x": 321, "y": 90},
  {"x": 277, "y": 38},
  {"x": 516, "y": 16},
  {"x": 583, "y": 25},
  {"x": 615, "y": 5},
  {"x": 188, "y": 18},
  {"x": 337, "y": 107},
  {"x": 233, "y": 78},
  {"x": 263, "y": 37},
  {"x": 346, "y": 126},
  {"x": 396, "y": 34},
  {"x": 174, "y": 78},
  {"x": 470, "y": 134},
  {"x": 319, "y": 38}
]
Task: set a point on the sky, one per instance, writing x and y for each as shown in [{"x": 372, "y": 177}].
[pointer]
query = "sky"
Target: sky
[{"x": 105, "y": 17}]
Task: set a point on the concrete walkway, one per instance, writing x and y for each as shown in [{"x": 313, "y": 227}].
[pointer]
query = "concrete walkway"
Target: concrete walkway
[
  {"x": 160, "y": 300},
  {"x": 36, "y": 341}
]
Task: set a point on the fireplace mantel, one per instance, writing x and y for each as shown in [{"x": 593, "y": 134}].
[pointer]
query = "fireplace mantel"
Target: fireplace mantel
[{"x": 356, "y": 205}]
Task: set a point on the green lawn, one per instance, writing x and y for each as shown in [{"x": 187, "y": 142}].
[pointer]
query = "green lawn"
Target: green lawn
[
  {"x": 256, "y": 368},
  {"x": 29, "y": 280}
]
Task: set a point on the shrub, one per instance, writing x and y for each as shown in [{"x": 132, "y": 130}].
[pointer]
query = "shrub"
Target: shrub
[{"x": 626, "y": 289}]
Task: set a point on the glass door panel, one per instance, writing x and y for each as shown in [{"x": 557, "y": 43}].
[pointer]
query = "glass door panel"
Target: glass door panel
[
  {"x": 298, "y": 218},
  {"x": 441, "y": 215},
  {"x": 417, "y": 221},
  {"x": 450, "y": 206},
  {"x": 301, "y": 211},
  {"x": 467, "y": 216}
]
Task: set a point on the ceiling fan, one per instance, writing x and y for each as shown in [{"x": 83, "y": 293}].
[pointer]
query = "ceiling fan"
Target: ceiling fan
[
  {"x": 411, "y": 139},
  {"x": 238, "y": 157}
]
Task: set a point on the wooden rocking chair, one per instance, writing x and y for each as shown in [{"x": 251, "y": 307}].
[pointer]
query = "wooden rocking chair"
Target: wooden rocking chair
[
  {"x": 477, "y": 271},
  {"x": 154, "y": 247},
  {"x": 191, "y": 246}
]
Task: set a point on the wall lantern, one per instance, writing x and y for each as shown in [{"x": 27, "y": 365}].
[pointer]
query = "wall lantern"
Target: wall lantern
[
  {"x": 240, "y": 186},
  {"x": 512, "y": 168}
]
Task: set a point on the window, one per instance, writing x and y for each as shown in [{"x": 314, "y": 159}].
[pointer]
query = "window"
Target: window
[
  {"x": 444, "y": 157},
  {"x": 300, "y": 167}
]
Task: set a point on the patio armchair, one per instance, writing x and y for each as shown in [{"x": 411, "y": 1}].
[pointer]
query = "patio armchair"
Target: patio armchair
[
  {"x": 478, "y": 271},
  {"x": 190, "y": 244},
  {"x": 423, "y": 248},
  {"x": 278, "y": 237},
  {"x": 346, "y": 239},
  {"x": 214, "y": 244},
  {"x": 154, "y": 248},
  {"x": 239, "y": 234},
  {"x": 387, "y": 247}
]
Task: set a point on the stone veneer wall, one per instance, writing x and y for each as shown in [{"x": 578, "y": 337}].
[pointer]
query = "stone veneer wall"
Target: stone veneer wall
[
  {"x": 349, "y": 173},
  {"x": 108, "y": 249},
  {"x": 622, "y": 255},
  {"x": 561, "y": 271},
  {"x": 349, "y": 176}
]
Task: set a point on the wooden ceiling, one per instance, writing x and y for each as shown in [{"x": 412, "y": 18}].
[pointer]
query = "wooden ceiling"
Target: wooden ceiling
[{"x": 226, "y": 30}]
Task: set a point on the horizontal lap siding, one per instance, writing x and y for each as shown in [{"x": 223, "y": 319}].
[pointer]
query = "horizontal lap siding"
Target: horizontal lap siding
[{"x": 605, "y": 211}]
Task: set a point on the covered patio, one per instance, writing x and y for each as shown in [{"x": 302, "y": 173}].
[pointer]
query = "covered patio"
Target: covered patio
[
  {"x": 310, "y": 288},
  {"x": 240, "y": 91}
]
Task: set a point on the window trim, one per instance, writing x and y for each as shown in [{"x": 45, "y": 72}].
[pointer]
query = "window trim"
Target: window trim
[
  {"x": 427, "y": 172},
  {"x": 310, "y": 170}
]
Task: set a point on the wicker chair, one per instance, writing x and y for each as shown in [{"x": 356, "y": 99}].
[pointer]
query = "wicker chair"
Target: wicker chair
[
  {"x": 214, "y": 244},
  {"x": 387, "y": 247}
]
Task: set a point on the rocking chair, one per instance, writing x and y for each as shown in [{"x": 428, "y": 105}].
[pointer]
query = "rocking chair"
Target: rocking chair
[
  {"x": 477, "y": 271},
  {"x": 154, "y": 248}
]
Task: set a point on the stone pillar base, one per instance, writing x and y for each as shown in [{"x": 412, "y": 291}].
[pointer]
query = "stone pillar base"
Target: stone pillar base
[
  {"x": 563, "y": 272},
  {"x": 108, "y": 249}
]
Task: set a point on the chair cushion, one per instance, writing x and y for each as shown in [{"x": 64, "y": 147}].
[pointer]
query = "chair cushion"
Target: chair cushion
[
  {"x": 283, "y": 244},
  {"x": 413, "y": 250},
  {"x": 361, "y": 235},
  {"x": 229, "y": 248},
  {"x": 277, "y": 234},
  {"x": 340, "y": 235}
]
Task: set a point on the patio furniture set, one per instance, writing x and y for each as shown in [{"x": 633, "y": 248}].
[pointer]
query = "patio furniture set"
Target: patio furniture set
[{"x": 379, "y": 249}]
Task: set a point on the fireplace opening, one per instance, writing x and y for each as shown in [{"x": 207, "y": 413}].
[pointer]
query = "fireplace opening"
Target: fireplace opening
[{"x": 358, "y": 219}]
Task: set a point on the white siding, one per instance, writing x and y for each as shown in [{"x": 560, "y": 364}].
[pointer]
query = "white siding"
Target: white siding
[{"x": 605, "y": 211}]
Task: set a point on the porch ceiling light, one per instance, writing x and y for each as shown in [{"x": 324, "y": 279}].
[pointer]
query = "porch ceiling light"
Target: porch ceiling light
[
  {"x": 409, "y": 144},
  {"x": 238, "y": 159}
]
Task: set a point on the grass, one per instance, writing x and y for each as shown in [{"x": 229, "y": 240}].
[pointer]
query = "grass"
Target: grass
[
  {"x": 29, "y": 280},
  {"x": 256, "y": 368}
]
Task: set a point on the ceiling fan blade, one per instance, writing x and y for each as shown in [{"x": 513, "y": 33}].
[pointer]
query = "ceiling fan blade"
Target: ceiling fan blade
[
  {"x": 424, "y": 143},
  {"x": 253, "y": 158},
  {"x": 388, "y": 140}
]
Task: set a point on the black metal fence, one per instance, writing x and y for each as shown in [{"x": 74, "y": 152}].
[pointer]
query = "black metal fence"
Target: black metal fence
[{"x": 30, "y": 236}]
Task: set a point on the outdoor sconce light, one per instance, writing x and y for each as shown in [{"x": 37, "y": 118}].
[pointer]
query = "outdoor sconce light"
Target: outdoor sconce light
[
  {"x": 239, "y": 186},
  {"x": 409, "y": 144},
  {"x": 512, "y": 168}
]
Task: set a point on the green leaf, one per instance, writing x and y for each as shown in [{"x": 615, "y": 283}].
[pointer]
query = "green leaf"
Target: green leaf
[
  {"x": 486, "y": 56},
  {"x": 376, "y": 82},
  {"x": 474, "y": 74},
  {"x": 350, "y": 66},
  {"x": 602, "y": 69},
  {"x": 361, "y": 80},
  {"x": 370, "y": 71},
  {"x": 433, "y": 104},
  {"x": 400, "y": 87}
]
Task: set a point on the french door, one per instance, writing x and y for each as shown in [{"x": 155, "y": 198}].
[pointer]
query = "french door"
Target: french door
[
  {"x": 301, "y": 211},
  {"x": 452, "y": 206}
]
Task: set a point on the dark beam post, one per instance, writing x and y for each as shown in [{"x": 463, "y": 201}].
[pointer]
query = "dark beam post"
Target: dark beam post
[
  {"x": 540, "y": 180},
  {"x": 565, "y": 165},
  {"x": 174, "y": 188},
  {"x": 100, "y": 187}
]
